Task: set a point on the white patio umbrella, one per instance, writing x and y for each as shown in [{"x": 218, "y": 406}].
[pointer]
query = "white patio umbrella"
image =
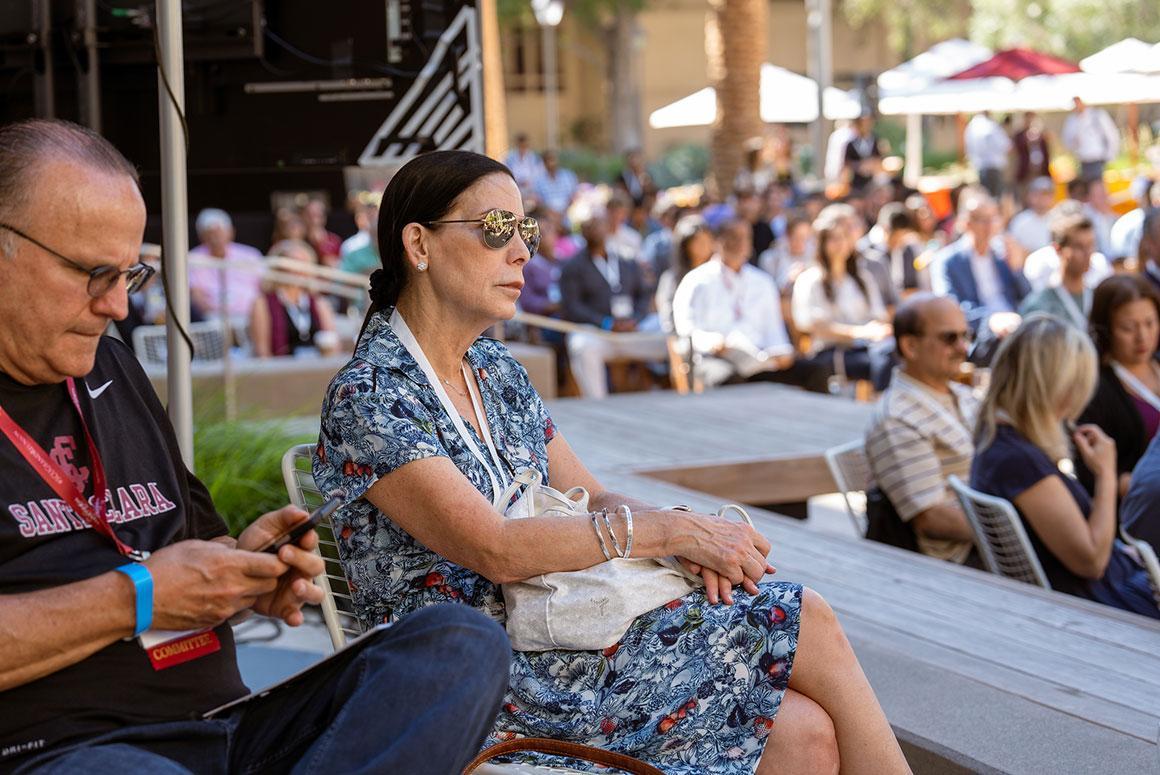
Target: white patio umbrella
[
  {"x": 786, "y": 98},
  {"x": 898, "y": 85},
  {"x": 931, "y": 66},
  {"x": 1130, "y": 66},
  {"x": 1130, "y": 55}
]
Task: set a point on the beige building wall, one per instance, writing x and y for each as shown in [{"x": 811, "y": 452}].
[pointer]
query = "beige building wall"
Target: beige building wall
[{"x": 673, "y": 64}]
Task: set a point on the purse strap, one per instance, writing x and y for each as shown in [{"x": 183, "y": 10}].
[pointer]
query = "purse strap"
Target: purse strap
[{"x": 562, "y": 748}]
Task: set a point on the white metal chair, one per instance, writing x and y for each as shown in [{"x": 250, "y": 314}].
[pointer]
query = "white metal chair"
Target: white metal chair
[
  {"x": 208, "y": 337},
  {"x": 999, "y": 536},
  {"x": 851, "y": 471},
  {"x": 337, "y": 605}
]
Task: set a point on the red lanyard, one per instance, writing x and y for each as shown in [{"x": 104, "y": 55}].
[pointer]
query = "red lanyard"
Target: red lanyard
[{"x": 95, "y": 515}]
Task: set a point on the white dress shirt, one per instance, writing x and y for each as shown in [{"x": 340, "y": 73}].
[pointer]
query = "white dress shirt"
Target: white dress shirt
[
  {"x": 1030, "y": 229},
  {"x": 988, "y": 283},
  {"x": 1042, "y": 269},
  {"x": 1091, "y": 135},
  {"x": 987, "y": 144},
  {"x": 849, "y": 306},
  {"x": 716, "y": 306}
]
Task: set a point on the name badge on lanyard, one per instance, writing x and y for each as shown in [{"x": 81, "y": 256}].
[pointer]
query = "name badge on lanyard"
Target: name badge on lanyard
[
  {"x": 165, "y": 653},
  {"x": 621, "y": 306},
  {"x": 94, "y": 513}
]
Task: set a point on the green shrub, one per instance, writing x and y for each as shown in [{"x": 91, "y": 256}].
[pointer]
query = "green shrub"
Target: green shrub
[
  {"x": 241, "y": 465},
  {"x": 681, "y": 165}
]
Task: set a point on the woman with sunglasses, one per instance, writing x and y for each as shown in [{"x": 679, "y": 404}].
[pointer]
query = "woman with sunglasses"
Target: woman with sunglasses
[{"x": 420, "y": 527}]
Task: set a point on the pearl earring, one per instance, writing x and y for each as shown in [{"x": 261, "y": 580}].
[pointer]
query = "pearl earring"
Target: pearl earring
[{"x": 422, "y": 267}]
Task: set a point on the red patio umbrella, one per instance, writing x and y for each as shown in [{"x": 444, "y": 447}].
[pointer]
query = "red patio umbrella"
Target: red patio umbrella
[{"x": 1016, "y": 64}]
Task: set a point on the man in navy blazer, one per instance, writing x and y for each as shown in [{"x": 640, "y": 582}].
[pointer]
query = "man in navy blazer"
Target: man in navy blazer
[
  {"x": 981, "y": 281},
  {"x": 600, "y": 289}
]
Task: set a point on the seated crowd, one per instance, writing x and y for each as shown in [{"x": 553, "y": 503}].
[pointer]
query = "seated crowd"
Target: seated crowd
[
  {"x": 119, "y": 654},
  {"x": 430, "y": 423},
  {"x": 779, "y": 285}
]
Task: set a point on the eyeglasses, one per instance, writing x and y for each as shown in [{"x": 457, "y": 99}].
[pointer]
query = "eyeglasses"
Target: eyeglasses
[
  {"x": 103, "y": 278},
  {"x": 951, "y": 338},
  {"x": 499, "y": 226}
]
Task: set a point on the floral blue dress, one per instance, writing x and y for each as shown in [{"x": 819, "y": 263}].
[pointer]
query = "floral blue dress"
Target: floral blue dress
[{"x": 690, "y": 688}]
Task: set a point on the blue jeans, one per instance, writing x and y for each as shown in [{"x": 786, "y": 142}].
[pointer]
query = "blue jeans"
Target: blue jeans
[{"x": 417, "y": 697}]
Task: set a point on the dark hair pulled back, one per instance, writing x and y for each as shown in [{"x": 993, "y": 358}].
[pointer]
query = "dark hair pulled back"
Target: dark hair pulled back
[{"x": 424, "y": 189}]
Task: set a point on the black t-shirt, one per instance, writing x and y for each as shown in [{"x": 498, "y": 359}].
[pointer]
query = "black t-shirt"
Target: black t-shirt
[{"x": 155, "y": 501}]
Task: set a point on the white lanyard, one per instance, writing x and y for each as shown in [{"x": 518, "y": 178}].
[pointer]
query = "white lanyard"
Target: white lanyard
[
  {"x": 1151, "y": 269},
  {"x": 1078, "y": 316},
  {"x": 498, "y": 484},
  {"x": 952, "y": 419},
  {"x": 1138, "y": 387},
  {"x": 609, "y": 268}
]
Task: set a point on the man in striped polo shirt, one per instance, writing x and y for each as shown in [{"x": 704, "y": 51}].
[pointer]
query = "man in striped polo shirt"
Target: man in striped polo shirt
[{"x": 921, "y": 431}]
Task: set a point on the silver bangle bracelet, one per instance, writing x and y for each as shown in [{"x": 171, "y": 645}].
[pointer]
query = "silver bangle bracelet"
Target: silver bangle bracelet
[
  {"x": 627, "y": 529},
  {"x": 599, "y": 535},
  {"x": 612, "y": 533}
]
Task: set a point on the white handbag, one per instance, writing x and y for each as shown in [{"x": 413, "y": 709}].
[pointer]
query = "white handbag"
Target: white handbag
[
  {"x": 582, "y": 610},
  {"x": 590, "y": 609}
]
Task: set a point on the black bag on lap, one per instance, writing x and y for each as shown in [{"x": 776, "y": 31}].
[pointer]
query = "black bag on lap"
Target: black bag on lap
[{"x": 883, "y": 523}]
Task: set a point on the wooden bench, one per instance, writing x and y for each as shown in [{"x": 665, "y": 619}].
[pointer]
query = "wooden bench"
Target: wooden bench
[{"x": 976, "y": 673}]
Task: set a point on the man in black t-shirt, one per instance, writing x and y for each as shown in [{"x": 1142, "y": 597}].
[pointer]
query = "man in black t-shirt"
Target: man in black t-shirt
[{"x": 103, "y": 530}]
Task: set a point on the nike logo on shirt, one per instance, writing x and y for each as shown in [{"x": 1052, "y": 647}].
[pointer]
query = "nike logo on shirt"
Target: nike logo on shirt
[{"x": 96, "y": 393}]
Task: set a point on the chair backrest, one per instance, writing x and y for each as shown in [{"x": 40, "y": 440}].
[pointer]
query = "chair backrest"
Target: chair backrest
[
  {"x": 999, "y": 535},
  {"x": 851, "y": 471},
  {"x": 681, "y": 369},
  {"x": 208, "y": 337},
  {"x": 337, "y": 605}
]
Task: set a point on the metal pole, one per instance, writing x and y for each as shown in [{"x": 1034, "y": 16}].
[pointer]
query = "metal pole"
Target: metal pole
[
  {"x": 817, "y": 70},
  {"x": 175, "y": 215},
  {"x": 825, "y": 67},
  {"x": 91, "y": 80},
  {"x": 45, "y": 95},
  {"x": 913, "y": 169},
  {"x": 551, "y": 86}
]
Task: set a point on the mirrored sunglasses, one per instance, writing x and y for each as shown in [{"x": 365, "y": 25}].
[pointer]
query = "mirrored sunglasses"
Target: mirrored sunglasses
[{"x": 499, "y": 226}]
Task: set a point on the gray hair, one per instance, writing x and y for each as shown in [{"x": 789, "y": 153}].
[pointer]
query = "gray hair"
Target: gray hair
[
  {"x": 212, "y": 217},
  {"x": 27, "y": 145}
]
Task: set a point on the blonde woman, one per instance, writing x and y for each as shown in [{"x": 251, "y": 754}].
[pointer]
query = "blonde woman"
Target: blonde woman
[{"x": 1043, "y": 376}]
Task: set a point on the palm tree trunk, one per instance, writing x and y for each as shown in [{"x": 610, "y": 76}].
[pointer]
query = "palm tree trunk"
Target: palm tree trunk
[
  {"x": 624, "y": 77},
  {"x": 735, "y": 43},
  {"x": 495, "y": 131}
]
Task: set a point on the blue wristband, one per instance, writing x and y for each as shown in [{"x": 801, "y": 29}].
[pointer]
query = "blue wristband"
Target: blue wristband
[{"x": 143, "y": 587}]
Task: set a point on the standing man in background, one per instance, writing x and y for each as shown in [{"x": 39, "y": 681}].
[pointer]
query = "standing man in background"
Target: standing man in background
[
  {"x": 1092, "y": 136},
  {"x": 987, "y": 149}
]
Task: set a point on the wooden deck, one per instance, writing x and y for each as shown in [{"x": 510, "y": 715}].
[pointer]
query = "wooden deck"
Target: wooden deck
[{"x": 975, "y": 672}]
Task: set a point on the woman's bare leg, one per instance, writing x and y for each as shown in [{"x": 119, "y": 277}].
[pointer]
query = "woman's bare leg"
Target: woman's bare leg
[
  {"x": 826, "y": 671},
  {"x": 802, "y": 740}
]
